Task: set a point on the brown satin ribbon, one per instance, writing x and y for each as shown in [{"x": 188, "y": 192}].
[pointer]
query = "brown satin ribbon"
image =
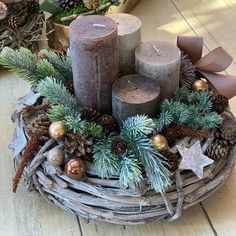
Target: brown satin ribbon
[{"x": 215, "y": 61}]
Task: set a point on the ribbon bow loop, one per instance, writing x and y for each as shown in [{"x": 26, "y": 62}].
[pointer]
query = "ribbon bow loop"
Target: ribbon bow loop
[{"x": 217, "y": 60}]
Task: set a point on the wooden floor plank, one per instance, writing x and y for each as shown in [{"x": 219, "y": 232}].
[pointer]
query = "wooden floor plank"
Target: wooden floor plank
[{"x": 23, "y": 213}]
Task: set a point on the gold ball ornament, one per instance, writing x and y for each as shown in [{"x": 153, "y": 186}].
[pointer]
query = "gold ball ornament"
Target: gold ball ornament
[
  {"x": 160, "y": 142},
  {"x": 57, "y": 130},
  {"x": 200, "y": 85},
  {"x": 55, "y": 157},
  {"x": 75, "y": 169}
]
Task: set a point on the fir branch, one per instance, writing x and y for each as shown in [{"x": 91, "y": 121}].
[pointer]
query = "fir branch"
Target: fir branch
[
  {"x": 136, "y": 126},
  {"x": 74, "y": 123},
  {"x": 58, "y": 112},
  {"x": 61, "y": 63},
  {"x": 21, "y": 61},
  {"x": 130, "y": 172},
  {"x": 25, "y": 64},
  {"x": 154, "y": 163},
  {"x": 94, "y": 129},
  {"x": 182, "y": 94},
  {"x": 105, "y": 163},
  {"x": 56, "y": 93},
  {"x": 210, "y": 121},
  {"x": 202, "y": 100},
  {"x": 165, "y": 119}
]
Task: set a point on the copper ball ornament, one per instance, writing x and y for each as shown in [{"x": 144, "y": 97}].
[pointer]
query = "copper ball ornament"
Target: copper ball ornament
[
  {"x": 57, "y": 130},
  {"x": 200, "y": 85},
  {"x": 160, "y": 142},
  {"x": 55, "y": 157},
  {"x": 75, "y": 169}
]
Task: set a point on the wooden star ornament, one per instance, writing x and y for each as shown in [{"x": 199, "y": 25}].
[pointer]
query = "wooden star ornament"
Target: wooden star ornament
[{"x": 193, "y": 159}]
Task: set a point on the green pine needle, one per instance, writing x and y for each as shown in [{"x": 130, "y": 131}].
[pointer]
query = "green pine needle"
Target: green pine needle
[
  {"x": 210, "y": 121},
  {"x": 106, "y": 164},
  {"x": 58, "y": 112},
  {"x": 94, "y": 129},
  {"x": 62, "y": 64},
  {"x": 130, "y": 172},
  {"x": 138, "y": 125},
  {"x": 56, "y": 93},
  {"x": 74, "y": 123},
  {"x": 157, "y": 173}
]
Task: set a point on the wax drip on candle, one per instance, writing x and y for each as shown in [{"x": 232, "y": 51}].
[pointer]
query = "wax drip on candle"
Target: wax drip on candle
[
  {"x": 132, "y": 84},
  {"x": 99, "y": 25},
  {"x": 158, "y": 51}
]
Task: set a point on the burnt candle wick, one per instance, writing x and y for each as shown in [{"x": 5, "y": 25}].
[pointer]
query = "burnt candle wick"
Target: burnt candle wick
[
  {"x": 132, "y": 84},
  {"x": 158, "y": 51},
  {"x": 99, "y": 26}
]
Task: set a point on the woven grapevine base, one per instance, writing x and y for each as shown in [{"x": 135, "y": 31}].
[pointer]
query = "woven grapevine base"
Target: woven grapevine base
[{"x": 99, "y": 199}]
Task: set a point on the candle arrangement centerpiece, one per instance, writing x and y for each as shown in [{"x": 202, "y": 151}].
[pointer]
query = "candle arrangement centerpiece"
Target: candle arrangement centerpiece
[
  {"x": 21, "y": 23},
  {"x": 126, "y": 143}
]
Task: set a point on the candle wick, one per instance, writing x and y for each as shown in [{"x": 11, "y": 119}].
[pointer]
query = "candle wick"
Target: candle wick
[
  {"x": 132, "y": 84},
  {"x": 99, "y": 26},
  {"x": 158, "y": 51}
]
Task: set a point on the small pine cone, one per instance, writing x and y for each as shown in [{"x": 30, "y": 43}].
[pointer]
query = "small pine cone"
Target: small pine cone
[
  {"x": 220, "y": 103},
  {"x": 228, "y": 129},
  {"x": 217, "y": 150},
  {"x": 79, "y": 145},
  {"x": 14, "y": 22},
  {"x": 89, "y": 114},
  {"x": 119, "y": 146},
  {"x": 30, "y": 110},
  {"x": 172, "y": 159},
  {"x": 91, "y": 4},
  {"x": 67, "y": 4},
  {"x": 33, "y": 7},
  {"x": 39, "y": 126},
  {"x": 108, "y": 123},
  {"x": 70, "y": 87}
]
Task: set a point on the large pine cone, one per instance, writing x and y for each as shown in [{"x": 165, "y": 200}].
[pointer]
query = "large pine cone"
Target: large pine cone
[
  {"x": 68, "y": 4},
  {"x": 228, "y": 128},
  {"x": 79, "y": 145},
  {"x": 217, "y": 150},
  {"x": 39, "y": 126},
  {"x": 220, "y": 103},
  {"x": 119, "y": 146},
  {"x": 91, "y": 4}
]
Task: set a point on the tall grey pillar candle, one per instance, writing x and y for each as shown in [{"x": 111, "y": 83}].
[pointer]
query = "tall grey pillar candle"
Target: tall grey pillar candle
[
  {"x": 95, "y": 65},
  {"x": 161, "y": 61},
  {"x": 129, "y": 35},
  {"x": 134, "y": 94}
]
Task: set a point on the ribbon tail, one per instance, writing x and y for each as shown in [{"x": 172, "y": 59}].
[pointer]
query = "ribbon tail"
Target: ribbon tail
[{"x": 224, "y": 84}]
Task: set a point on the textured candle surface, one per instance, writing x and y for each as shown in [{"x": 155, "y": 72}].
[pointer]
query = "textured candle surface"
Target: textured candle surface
[
  {"x": 129, "y": 35},
  {"x": 161, "y": 61},
  {"x": 134, "y": 94},
  {"x": 95, "y": 65}
]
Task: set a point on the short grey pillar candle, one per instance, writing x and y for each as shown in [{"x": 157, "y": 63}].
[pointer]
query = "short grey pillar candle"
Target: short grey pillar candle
[{"x": 134, "y": 94}]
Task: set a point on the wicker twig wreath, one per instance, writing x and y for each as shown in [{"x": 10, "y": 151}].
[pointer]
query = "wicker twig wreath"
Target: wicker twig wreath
[{"x": 104, "y": 199}]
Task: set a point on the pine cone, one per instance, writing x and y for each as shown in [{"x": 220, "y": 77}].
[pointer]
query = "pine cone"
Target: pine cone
[
  {"x": 79, "y": 145},
  {"x": 39, "y": 126},
  {"x": 217, "y": 150},
  {"x": 33, "y": 7},
  {"x": 70, "y": 87},
  {"x": 172, "y": 159},
  {"x": 220, "y": 103},
  {"x": 119, "y": 146},
  {"x": 28, "y": 111},
  {"x": 91, "y": 4},
  {"x": 108, "y": 123},
  {"x": 67, "y": 4},
  {"x": 14, "y": 22},
  {"x": 228, "y": 128},
  {"x": 89, "y": 114}
]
